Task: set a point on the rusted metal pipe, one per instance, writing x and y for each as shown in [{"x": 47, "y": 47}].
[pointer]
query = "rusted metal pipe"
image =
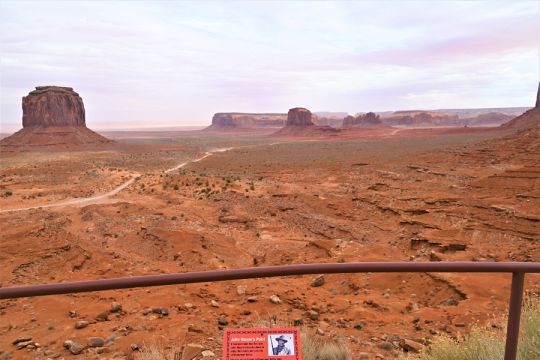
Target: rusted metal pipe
[
  {"x": 514, "y": 316},
  {"x": 261, "y": 272}
]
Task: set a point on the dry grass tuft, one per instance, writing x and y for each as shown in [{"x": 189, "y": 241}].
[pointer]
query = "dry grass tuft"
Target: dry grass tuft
[
  {"x": 487, "y": 344},
  {"x": 159, "y": 352}
]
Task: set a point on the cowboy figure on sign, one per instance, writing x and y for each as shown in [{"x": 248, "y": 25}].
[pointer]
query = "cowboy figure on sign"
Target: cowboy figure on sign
[{"x": 281, "y": 349}]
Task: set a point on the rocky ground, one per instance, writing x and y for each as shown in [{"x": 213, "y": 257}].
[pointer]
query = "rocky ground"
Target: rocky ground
[{"x": 470, "y": 196}]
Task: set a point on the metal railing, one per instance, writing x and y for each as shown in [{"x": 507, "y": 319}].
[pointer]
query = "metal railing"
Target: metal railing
[{"x": 517, "y": 269}]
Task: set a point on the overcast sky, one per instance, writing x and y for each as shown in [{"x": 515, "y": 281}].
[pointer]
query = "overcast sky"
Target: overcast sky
[{"x": 142, "y": 63}]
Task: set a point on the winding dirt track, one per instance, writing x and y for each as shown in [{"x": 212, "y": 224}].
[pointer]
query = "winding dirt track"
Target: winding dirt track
[{"x": 99, "y": 198}]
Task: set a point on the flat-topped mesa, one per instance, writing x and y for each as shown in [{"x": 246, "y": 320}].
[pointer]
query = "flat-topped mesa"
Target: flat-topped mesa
[
  {"x": 53, "y": 117},
  {"x": 50, "y": 106},
  {"x": 299, "y": 117},
  {"x": 247, "y": 120}
]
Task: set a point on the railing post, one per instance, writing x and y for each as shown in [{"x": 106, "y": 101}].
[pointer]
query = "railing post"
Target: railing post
[{"x": 514, "y": 316}]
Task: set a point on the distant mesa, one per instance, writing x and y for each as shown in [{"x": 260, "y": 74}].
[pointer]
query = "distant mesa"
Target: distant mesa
[
  {"x": 363, "y": 120},
  {"x": 299, "y": 117},
  {"x": 528, "y": 120},
  {"x": 236, "y": 121},
  {"x": 53, "y": 116},
  {"x": 299, "y": 123}
]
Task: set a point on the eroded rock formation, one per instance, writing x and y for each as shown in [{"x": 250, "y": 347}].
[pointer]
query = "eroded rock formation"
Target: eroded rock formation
[
  {"x": 247, "y": 121},
  {"x": 52, "y": 116},
  {"x": 367, "y": 120},
  {"x": 299, "y": 117},
  {"x": 53, "y": 106},
  {"x": 300, "y": 124}
]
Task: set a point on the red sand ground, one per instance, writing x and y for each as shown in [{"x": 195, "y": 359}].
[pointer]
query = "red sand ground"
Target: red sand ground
[{"x": 380, "y": 195}]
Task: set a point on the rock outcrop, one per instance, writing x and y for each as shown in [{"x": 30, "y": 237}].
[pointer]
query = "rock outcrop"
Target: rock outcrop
[
  {"x": 364, "y": 120},
  {"x": 53, "y": 106},
  {"x": 225, "y": 121},
  {"x": 299, "y": 117},
  {"x": 421, "y": 118},
  {"x": 52, "y": 116},
  {"x": 300, "y": 124}
]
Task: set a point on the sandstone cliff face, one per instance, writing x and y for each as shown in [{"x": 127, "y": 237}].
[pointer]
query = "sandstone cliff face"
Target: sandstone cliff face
[
  {"x": 299, "y": 117},
  {"x": 53, "y": 106}
]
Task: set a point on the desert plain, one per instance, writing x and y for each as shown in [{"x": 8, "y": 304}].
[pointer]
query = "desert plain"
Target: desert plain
[{"x": 155, "y": 203}]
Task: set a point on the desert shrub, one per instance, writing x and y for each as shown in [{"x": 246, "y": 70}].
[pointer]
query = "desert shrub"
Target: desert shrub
[
  {"x": 332, "y": 351},
  {"x": 488, "y": 344}
]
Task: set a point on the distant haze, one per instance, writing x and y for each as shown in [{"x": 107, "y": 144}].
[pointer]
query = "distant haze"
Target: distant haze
[{"x": 165, "y": 64}]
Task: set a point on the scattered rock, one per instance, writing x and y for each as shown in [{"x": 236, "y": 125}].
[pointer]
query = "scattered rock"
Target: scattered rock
[
  {"x": 208, "y": 353},
  {"x": 136, "y": 347},
  {"x": 313, "y": 315},
  {"x": 21, "y": 339},
  {"x": 363, "y": 356},
  {"x": 74, "y": 347},
  {"x": 274, "y": 299},
  {"x": 320, "y": 332},
  {"x": 96, "y": 342},
  {"x": 450, "y": 302},
  {"x": 222, "y": 320},
  {"x": 104, "y": 316},
  {"x": 318, "y": 281},
  {"x": 160, "y": 311},
  {"x": 81, "y": 324},
  {"x": 23, "y": 344},
  {"x": 116, "y": 307},
  {"x": 385, "y": 345},
  {"x": 191, "y": 351},
  {"x": 359, "y": 325},
  {"x": 410, "y": 345},
  {"x": 214, "y": 303},
  {"x": 252, "y": 299},
  {"x": 194, "y": 329},
  {"x": 241, "y": 289}
]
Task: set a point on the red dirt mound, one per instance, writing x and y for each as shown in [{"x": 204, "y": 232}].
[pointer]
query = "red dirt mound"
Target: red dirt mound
[{"x": 528, "y": 120}]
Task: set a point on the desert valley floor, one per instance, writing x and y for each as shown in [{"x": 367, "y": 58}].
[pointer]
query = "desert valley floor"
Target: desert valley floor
[{"x": 201, "y": 201}]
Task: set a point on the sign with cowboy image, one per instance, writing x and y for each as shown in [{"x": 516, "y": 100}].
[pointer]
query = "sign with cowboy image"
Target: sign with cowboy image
[
  {"x": 278, "y": 344},
  {"x": 262, "y": 344}
]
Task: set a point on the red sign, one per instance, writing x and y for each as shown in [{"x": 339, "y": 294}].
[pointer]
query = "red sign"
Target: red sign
[{"x": 262, "y": 344}]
